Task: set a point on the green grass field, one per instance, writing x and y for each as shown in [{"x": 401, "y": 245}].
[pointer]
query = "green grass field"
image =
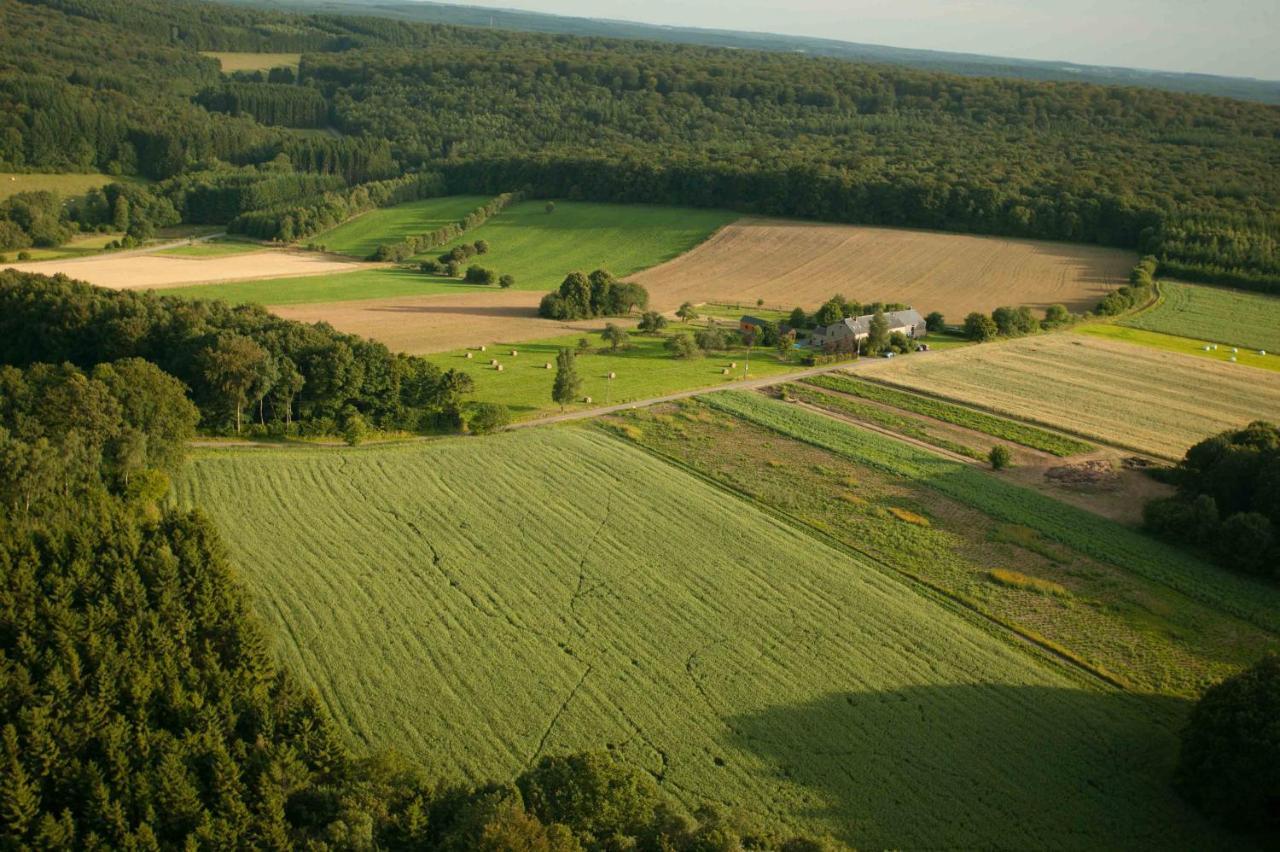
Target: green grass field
[
  {"x": 212, "y": 248},
  {"x": 350, "y": 286},
  {"x": 65, "y": 185},
  {"x": 1185, "y": 345},
  {"x": 643, "y": 370},
  {"x": 1214, "y": 314},
  {"x": 1089, "y": 534},
  {"x": 988, "y": 424},
  {"x": 360, "y": 237},
  {"x": 1114, "y": 622},
  {"x": 80, "y": 246},
  {"x": 540, "y": 249},
  {"x": 475, "y": 603}
]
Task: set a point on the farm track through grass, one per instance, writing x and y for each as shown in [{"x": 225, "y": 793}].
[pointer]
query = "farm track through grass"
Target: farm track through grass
[
  {"x": 476, "y": 603},
  {"x": 988, "y": 424},
  {"x": 1127, "y": 396},
  {"x": 1097, "y": 537},
  {"x": 1215, "y": 314}
]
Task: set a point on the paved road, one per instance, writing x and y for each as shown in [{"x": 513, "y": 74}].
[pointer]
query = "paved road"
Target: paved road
[{"x": 748, "y": 384}]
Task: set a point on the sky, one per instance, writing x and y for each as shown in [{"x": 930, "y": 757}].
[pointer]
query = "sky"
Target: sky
[{"x": 1232, "y": 37}]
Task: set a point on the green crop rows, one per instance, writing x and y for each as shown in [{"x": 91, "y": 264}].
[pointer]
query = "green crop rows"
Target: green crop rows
[
  {"x": 1214, "y": 313},
  {"x": 1097, "y": 537},
  {"x": 988, "y": 424},
  {"x": 478, "y": 602}
]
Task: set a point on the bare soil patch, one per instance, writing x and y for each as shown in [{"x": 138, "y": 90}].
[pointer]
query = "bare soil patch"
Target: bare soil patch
[
  {"x": 135, "y": 271},
  {"x": 423, "y": 324},
  {"x": 789, "y": 263}
]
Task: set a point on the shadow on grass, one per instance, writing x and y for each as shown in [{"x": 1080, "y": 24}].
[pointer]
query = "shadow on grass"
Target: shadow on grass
[{"x": 985, "y": 766}]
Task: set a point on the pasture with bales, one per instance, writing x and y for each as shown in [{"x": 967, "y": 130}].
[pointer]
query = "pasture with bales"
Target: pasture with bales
[
  {"x": 1134, "y": 397},
  {"x": 1218, "y": 352},
  {"x": 1215, "y": 314},
  {"x": 413, "y": 586}
]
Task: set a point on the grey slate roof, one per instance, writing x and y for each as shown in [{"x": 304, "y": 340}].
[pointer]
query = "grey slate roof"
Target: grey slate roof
[{"x": 862, "y": 325}]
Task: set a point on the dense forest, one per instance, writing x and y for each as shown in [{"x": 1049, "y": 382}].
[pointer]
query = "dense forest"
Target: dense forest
[{"x": 1193, "y": 180}]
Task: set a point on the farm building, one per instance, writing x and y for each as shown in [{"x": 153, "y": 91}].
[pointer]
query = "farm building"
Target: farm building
[
  {"x": 747, "y": 322},
  {"x": 909, "y": 322}
]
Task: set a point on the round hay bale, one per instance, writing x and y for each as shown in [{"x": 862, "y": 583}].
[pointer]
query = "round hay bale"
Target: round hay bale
[
  {"x": 498, "y": 367},
  {"x": 468, "y": 356},
  {"x": 514, "y": 353},
  {"x": 613, "y": 375},
  {"x": 733, "y": 365},
  {"x": 587, "y": 399},
  {"x": 1233, "y": 358},
  {"x": 1262, "y": 352},
  {"x": 482, "y": 347},
  {"x": 493, "y": 362},
  {"x": 1234, "y": 350},
  {"x": 725, "y": 371},
  {"x": 546, "y": 366}
]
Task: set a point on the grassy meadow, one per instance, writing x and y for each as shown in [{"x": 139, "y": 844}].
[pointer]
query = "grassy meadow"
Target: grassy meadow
[
  {"x": 378, "y": 283},
  {"x": 643, "y": 370},
  {"x": 80, "y": 246},
  {"x": 1215, "y": 314},
  {"x": 212, "y": 248},
  {"x": 65, "y": 185},
  {"x": 1184, "y": 345},
  {"x": 476, "y": 603},
  {"x": 360, "y": 237},
  {"x": 540, "y": 248}
]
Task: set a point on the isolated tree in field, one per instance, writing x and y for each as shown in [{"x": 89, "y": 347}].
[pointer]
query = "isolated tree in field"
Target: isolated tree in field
[
  {"x": 682, "y": 346},
  {"x": 935, "y": 321},
  {"x": 568, "y": 383},
  {"x": 711, "y": 338},
  {"x": 550, "y": 207},
  {"x": 354, "y": 427},
  {"x": 616, "y": 336},
  {"x": 1000, "y": 457},
  {"x": 507, "y": 281},
  {"x": 584, "y": 345},
  {"x": 759, "y": 303},
  {"x": 652, "y": 322},
  {"x": 798, "y": 319},
  {"x": 1230, "y": 758},
  {"x": 878, "y": 335},
  {"x": 687, "y": 313},
  {"x": 979, "y": 327},
  {"x": 231, "y": 366},
  {"x": 482, "y": 246},
  {"x": 481, "y": 275}
]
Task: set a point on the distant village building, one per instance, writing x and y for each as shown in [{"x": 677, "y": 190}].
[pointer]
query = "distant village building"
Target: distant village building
[{"x": 855, "y": 329}]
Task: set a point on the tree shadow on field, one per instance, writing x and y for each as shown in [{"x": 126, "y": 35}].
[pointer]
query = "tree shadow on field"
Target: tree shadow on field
[{"x": 985, "y": 766}]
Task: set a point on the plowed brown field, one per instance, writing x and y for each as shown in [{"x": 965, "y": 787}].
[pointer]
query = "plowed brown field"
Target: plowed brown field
[
  {"x": 138, "y": 271},
  {"x": 422, "y": 324},
  {"x": 800, "y": 263}
]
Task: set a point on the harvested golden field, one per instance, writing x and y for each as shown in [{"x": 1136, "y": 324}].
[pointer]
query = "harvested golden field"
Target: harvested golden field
[
  {"x": 142, "y": 271},
  {"x": 1143, "y": 399},
  {"x": 800, "y": 263},
  {"x": 423, "y": 324},
  {"x": 233, "y": 61}
]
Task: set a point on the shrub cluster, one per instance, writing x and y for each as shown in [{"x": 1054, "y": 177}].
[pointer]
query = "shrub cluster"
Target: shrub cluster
[
  {"x": 1228, "y": 500},
  {"x": 596, "y": 295},
  {"x": 413, "y": 245},
  {"x": 1007, "y": 321},
  {"x": 1135, "y": 293}
]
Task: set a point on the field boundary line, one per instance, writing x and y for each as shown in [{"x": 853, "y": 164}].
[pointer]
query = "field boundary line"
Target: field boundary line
[
  {"x": 1030, "y": 421},
  {"x": 1016, "y": 635}
]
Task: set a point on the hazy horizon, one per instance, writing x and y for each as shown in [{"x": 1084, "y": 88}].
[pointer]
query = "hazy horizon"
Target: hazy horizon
[{"x": 1234, "y": 38}]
